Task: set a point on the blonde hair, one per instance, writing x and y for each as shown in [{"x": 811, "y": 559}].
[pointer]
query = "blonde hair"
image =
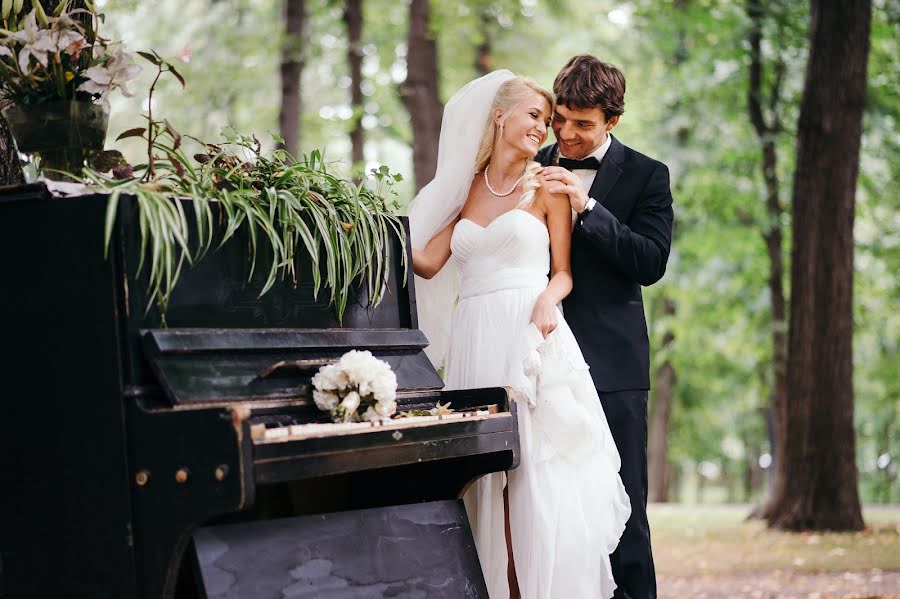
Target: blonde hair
[{"x": 510, "y": 94}]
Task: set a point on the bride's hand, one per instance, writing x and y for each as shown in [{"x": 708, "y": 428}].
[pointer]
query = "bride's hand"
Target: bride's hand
[{"x": 543, "y": 316}]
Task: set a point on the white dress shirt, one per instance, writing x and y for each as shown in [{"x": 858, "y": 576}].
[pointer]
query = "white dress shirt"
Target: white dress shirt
[{"x": 588, "y": 175}]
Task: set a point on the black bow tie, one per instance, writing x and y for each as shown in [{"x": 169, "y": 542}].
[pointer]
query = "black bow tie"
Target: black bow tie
[{"x": 588, "y": 163}]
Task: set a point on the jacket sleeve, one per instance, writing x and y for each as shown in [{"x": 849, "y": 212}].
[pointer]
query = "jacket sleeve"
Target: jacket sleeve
[{"x": 639, "y": 249}]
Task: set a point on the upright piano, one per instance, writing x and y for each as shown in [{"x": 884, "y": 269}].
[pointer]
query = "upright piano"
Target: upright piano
[{"x": 121, "y": 438}]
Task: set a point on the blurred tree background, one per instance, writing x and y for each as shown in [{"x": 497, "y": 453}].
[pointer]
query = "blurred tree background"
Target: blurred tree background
[{"x": 714, "y": 90}]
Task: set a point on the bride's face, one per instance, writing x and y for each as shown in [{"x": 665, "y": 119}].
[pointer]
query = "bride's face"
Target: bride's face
[{"x": 525, "y": 127}]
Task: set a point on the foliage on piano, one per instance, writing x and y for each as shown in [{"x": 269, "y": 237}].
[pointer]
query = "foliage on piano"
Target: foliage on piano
[{"x": 291, "y": 210}]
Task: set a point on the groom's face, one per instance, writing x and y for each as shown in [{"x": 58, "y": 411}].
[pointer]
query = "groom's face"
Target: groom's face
[{"x": 580, "y": 131}]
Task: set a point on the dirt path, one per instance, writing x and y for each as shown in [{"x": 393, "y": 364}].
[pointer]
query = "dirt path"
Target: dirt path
[{"x": 873, "y": 584}]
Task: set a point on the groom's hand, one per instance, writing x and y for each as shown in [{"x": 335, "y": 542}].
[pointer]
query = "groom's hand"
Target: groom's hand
[{"x": 562, "y": 181}]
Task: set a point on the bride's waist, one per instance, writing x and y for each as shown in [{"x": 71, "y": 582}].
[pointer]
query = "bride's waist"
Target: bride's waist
[{"x": 509, "y": 278}]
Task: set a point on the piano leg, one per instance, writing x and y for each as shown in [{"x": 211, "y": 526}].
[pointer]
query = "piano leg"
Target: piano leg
[{"x": 187, "y": 467}]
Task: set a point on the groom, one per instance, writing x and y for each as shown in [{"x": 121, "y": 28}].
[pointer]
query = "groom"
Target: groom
[{"x": 620, "y": 241}]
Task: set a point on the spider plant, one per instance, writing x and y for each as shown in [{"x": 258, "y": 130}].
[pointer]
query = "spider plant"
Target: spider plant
[{"x": 293, "y": 206}]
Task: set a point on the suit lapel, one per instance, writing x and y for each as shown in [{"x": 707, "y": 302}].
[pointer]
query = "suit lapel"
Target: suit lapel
[
  {"x": 609, "y": 171},
  {"x": 545, "y": 155}
]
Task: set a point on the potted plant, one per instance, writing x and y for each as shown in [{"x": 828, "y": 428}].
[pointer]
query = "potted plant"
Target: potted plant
[{"x": 55, "y": 74}]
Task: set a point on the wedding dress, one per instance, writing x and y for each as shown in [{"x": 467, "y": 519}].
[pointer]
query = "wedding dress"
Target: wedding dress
[{"x": 567, "y": 504}]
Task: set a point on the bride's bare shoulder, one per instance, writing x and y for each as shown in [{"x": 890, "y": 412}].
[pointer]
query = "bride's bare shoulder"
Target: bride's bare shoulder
[{"x": 550, "y": 201}]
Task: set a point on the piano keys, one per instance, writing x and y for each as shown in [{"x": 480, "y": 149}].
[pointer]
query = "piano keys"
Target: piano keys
[
  {"x": 292, "y": 430},
  {"x": 121, "y": 438}
]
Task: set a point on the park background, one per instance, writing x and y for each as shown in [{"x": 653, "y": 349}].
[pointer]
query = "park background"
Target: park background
[{"x": 714, "y": 91}]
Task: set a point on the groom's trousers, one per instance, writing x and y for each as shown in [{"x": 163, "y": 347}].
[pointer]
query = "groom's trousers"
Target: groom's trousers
[{"x": 632, "y": 562}]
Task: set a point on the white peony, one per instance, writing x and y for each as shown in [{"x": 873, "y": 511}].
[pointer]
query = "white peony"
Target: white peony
[
  {"x": 367, "y": 379},
  {"x": 324, "y": 400},
  {"x": 385, "y": 409},
  {"x": 371, "y": 415},
  {"x": 330, "y": 378},
  {"x": 384, "y": 386},
  {"x": 358, "y": 365}
]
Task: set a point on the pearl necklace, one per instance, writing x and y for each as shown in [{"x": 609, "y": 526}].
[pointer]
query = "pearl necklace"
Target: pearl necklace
[{"x": 495, "y": 192}]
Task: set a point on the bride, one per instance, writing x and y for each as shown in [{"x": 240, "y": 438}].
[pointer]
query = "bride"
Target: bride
[{"x": 485, "y": 231}]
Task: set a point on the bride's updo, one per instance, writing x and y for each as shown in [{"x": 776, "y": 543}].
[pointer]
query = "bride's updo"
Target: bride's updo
[{"x": 510, "y": 94}]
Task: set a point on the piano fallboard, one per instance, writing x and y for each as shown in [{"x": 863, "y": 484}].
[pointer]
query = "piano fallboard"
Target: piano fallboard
[{"x": 211, "y": 366}]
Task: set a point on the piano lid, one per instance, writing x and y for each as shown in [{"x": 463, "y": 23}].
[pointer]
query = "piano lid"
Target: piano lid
[{"x": 202, "y": 366}]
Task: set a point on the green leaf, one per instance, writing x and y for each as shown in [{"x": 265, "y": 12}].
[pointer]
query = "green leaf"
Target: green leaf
[
  {"x": 111, "y": 206},
  {"x": 145, "y": 235},
  {"x": 40, "y": 14},
  {"x": 151, "y": 58}
]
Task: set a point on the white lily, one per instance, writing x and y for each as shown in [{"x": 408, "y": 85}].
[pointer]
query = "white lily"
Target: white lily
[
  {"x": 117, "y": 71},
  {"x": 35, "y": 42},
  {"x": 67, "y": 41}
]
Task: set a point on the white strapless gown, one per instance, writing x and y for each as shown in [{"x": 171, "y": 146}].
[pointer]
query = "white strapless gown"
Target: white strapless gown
[{"x": 567, "y": 504}]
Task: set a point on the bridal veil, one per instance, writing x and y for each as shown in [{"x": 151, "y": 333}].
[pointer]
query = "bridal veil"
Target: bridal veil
[{"x": 465, "y": 118}]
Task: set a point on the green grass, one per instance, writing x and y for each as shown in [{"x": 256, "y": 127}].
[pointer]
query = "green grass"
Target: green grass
[{"x": 717, "y": 539}]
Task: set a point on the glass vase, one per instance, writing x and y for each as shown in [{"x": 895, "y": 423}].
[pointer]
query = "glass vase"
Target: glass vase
[{"x": 54, "y": 139}]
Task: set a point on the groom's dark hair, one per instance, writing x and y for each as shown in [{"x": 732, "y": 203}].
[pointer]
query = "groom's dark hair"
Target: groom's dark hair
[{"x": 587, "y": 82}]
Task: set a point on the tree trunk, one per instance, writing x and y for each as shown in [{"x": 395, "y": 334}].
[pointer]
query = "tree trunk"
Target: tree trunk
[
  {"x": 752, "y": 472},
  {"x": 353, "y": 20},
  {"x": 663, "y": 389},
  {"x": 10, "y": 167},
  {"x": 658, "y": 475},
  {"x": 420, "y": 92},
  {"x": 818, "y": 486},
  {"x": 673, "y": 482},
  {"x": 292, "y": 61},
  {"x": 767, "y": 130},
  {"x": 483, "y": 59}
]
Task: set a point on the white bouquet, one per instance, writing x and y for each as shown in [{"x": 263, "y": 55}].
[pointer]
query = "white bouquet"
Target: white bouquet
[{"x": 358, "y": 387}]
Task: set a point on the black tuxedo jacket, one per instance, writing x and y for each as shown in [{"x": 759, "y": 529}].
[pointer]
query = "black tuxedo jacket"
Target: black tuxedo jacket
[{"x": 618, "y": 246}]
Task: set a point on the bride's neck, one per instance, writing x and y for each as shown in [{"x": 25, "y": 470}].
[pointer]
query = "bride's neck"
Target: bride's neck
[{"x": 507, "y": 163}]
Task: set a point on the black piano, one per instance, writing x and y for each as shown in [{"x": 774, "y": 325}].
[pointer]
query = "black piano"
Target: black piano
[{"x": 128, "y": 447}]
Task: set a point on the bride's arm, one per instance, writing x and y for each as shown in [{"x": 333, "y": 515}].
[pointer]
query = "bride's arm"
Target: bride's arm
[
  {"x": 428, "y": 261},
  {"x": 559, "y": 224}
]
